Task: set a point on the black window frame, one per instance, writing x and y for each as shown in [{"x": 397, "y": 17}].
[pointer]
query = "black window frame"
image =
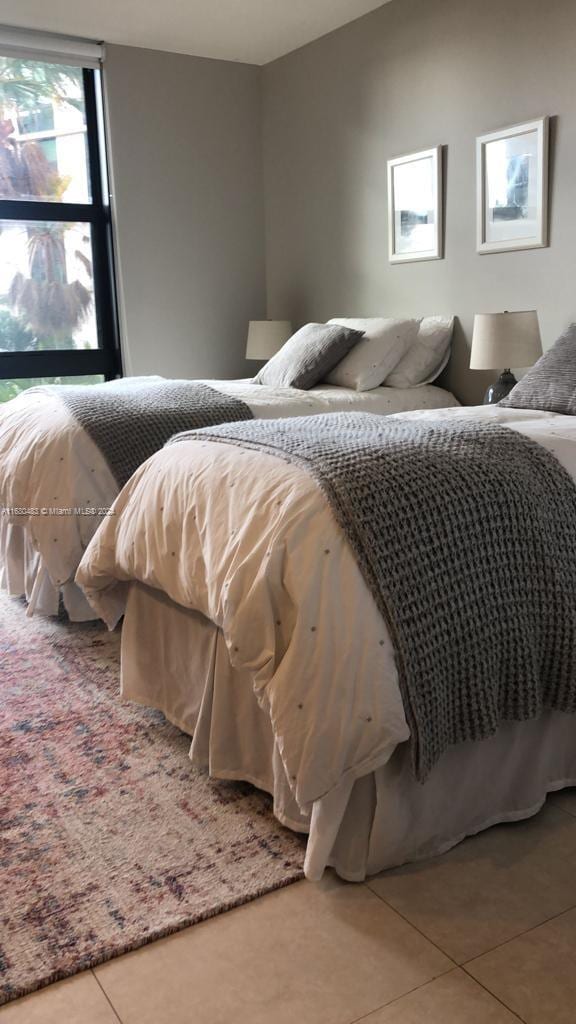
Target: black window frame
[{"x": 105, "y": 360}]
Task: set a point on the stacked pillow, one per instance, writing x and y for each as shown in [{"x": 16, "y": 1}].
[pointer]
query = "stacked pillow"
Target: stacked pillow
[
  {"x": 397, "y": 353},
  {"x": 385, "y": 342},
  {"x": 426, "y": 359},
  {"x": 362, "y": 353}
]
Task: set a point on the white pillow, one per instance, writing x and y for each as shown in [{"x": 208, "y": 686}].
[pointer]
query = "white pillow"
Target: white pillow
[
  {"x": 384, "y": 344},
  {"x": 427, "y": 357}
]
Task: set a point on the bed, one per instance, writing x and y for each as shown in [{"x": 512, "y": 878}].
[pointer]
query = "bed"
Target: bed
[
  {"x": 248, "y": 622},
  {"x": 56, "y": 487}
]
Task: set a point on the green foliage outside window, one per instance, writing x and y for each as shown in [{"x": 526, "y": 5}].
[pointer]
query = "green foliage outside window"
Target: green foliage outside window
[{"x": 12, "y": 388}]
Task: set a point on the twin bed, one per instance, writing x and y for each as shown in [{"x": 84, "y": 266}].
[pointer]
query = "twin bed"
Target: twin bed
[
  {"x": 56, "y": 486},
  {"x": 254, "y": 631},
  {"x": 251, "y": 622}
]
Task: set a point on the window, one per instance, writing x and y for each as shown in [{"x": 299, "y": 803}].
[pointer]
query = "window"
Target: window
[{"x": 57, "y": 304}]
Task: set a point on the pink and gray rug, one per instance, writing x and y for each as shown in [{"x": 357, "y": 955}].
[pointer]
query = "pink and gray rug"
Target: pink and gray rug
[{"x": 108, "y": 837}]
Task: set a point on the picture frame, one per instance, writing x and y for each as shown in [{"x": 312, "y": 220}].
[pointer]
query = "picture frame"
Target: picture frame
[
  {"x": 512, "y": 187},
  {"x": 415, "y": 207}
]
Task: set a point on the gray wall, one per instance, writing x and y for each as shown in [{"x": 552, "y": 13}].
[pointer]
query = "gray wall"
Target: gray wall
[
  {"x": 413, "y": 74},
  {"x": 187, "y": 174}
]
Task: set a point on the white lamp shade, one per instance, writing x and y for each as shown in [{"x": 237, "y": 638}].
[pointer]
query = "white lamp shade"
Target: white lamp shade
[
  {"x": 502, "y": 340},
  {"x": 266, "y": 337}
]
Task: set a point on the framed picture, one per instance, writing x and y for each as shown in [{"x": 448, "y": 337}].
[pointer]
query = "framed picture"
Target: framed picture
[
  {"x": 512, "y": 187},
  {"x": 415, "y": 206}
]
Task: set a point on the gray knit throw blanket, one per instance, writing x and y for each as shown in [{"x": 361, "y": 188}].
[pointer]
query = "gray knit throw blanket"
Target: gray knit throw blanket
[
  {"x": 466, "y": 536},
  {"x": 131, "y": 420}
]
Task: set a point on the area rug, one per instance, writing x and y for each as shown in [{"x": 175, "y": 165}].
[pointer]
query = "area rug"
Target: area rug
[{"x": 109, "y": 838}]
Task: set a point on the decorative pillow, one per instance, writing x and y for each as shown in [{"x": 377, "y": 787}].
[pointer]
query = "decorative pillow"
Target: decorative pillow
[
  {"x": 308, "y": 356},
  {"x": 550, "y": 385},
  {"x": 384, "y": 343},
  {"x": 427, "y": 357}
]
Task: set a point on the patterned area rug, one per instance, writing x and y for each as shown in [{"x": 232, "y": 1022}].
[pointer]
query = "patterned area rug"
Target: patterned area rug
[{"x": 108, "y": 837}]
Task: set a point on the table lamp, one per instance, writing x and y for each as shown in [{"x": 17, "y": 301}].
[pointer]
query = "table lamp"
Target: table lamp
[
  {"x": 266, "y": 337},
  {"x": 504, "y": 339}
]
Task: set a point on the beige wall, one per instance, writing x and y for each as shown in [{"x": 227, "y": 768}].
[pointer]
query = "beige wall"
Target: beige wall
[
  {"x": 187, "y": 175},
  {"x": 413, "y": 74}
]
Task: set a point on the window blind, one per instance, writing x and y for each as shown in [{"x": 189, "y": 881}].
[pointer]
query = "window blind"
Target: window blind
[{"x": 17, "y": 42}]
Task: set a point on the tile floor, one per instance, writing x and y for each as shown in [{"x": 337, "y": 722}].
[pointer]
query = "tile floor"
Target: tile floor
[{"x": 483, "y": 935}]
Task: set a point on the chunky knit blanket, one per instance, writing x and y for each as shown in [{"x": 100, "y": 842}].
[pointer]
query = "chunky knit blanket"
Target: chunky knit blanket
[
  {"x": 131, "y": 420},
  {"x": 466, "y": 536}
]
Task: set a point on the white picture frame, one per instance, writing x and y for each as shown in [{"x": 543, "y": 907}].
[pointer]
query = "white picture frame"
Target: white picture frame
[
  {"x": 512, "y": 187},
  {"x": 415, "y": 208}
]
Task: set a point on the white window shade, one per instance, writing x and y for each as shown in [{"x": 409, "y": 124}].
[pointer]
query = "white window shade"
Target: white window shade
[{"x": 18, "y": 42}]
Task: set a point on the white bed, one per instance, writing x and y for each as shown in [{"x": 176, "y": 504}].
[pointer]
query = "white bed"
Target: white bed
[
  {"x": 249, "y": 624},
  {"x": 48, "y": 462}
]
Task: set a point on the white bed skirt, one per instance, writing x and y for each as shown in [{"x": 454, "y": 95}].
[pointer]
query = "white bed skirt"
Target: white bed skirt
[
  {"x": 23, "y": 574},
  {"x": 175, "y": 660}
]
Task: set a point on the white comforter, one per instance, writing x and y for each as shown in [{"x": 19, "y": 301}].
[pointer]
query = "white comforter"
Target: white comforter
[
  {"x": 55, "y": 485},
  {"x": 250, "y": 542}
]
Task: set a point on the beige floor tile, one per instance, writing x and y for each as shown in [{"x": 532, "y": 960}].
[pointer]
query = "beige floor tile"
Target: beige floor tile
[
  {"x": 566, "y": 799},
  {"x": 77, "y": 1000},
  {"x": 535, "y": 974},
  {"x": 452, "y": 999},
  {"x": 316, "y": 954},
  {"x": 491, "y": 887}
]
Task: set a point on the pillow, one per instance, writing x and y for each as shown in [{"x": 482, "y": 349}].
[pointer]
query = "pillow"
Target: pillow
[
  {"x": 427, "y": 357},
  {"x": 550, "y": 384},
  {"x": 308, "y": 356},
  {"x": 384, "y": 343}
]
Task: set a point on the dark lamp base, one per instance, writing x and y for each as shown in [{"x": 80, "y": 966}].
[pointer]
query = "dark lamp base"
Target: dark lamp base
[{"x": 502, "y": 387}]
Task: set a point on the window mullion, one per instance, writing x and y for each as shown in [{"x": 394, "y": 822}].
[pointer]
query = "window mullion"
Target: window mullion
[
  {"x": 94, "y": 157},
  {"x": 23, "y": 209},
  {"x": 56, "y": 363}
]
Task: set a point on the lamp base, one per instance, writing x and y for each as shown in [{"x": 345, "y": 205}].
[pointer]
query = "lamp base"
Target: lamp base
[{"x": 501, "y": 388}]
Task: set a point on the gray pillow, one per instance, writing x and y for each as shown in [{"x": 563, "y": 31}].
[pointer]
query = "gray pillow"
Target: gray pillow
[
  {"x": 308, "y": 356},
  {"x": 551, "y": 383}
]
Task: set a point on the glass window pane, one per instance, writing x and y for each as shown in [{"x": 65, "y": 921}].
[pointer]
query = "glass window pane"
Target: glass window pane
[
  {"x": 11, "y": 388},
  {"x": 46, "y": 286},
  {"x": 43, "y": 148}
]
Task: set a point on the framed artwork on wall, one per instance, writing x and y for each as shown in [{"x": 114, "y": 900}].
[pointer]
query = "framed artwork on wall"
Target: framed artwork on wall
[
  {"x": 512, "y": 187},
  {"x": 415, "y": 206}
]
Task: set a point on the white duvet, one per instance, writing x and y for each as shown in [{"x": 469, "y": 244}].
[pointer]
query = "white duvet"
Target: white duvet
[
  {"x": 55, "y": 486},
  {"x": 250, "y": 542}
]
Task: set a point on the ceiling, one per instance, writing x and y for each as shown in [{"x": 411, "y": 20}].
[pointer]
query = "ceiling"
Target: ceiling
[{"x": 251, "y": 31}]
